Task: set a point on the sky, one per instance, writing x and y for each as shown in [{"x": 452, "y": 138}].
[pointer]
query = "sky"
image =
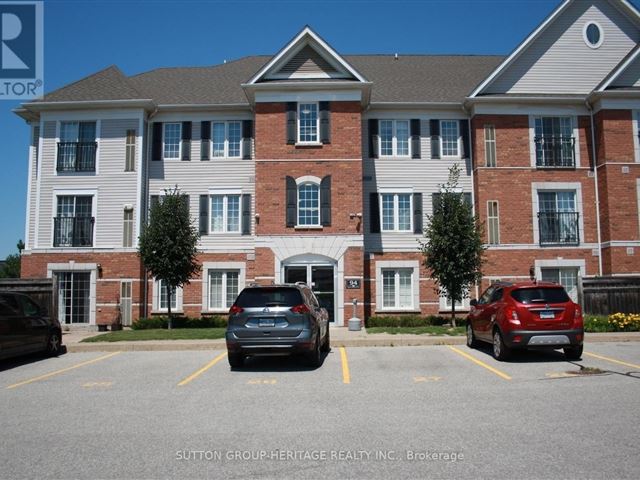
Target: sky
[{"x": 82, "y": 37}]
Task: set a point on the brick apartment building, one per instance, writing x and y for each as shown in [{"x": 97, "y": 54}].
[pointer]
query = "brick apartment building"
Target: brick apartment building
[{"x": 320, "y": 167}]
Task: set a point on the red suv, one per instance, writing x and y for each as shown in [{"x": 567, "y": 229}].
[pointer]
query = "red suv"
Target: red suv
[{"x": 526, "y": 315}]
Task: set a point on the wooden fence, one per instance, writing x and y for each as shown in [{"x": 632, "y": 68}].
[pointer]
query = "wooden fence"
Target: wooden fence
[
  {"x": 39, "y": 289},
  {"x": 607, "y": 295}
]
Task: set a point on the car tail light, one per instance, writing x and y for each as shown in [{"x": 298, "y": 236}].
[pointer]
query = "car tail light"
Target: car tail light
[
  {"x": 302, "y": 308},
  {"x": 511, "y": 315},
  {"x": 235, "y": 309},
  {"x": 577, "y": 315}
]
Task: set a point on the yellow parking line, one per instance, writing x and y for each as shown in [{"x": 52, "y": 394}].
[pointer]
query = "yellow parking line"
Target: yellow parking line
[
  {"x": 481, "y": 363},
  {"x": 632, "y": 365},
  {"x": 202, "y": 370},
  {"x": 57, "y": 372},
  {"x": 346, "y": 376}
]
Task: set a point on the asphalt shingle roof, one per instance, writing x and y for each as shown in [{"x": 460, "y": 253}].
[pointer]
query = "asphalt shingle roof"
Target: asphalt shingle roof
[{"x": 410, "y": 78}]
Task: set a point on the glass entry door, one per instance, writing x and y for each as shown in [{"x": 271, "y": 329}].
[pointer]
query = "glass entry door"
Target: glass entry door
[
  {"x": 73, "y": 297},
  {"x": 319, "y": 278}
]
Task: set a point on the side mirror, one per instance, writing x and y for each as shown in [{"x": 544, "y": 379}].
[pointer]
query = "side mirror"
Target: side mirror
[{"x": 473, "y": 302}]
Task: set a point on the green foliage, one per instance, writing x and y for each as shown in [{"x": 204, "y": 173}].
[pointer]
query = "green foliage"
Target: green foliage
[
  {"x": 158, "y": 334},
  {"x": 452, "y": 247},
  {"x": 11, "y": 267},
  {"x": 160, "y": 322},
  {"x": 168, "y": 244},
  {"x": 428, "y": 330},
  {"x": 406, "y": 321}
]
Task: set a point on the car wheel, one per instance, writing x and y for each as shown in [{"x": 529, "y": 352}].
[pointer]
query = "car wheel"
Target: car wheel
[
  {"x": 53, "y": 344},
  {"x": 471, "y": 338},
  {"x": 314, "y": 357},
  {"x": 236, "y": 360},
  {"x": 573, "y": 353},
  {"x": 500, "y": 351},
  {"x": 326, "y": 345}
]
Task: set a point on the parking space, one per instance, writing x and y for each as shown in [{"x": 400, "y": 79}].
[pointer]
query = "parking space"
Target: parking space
[{"x": 378, "y": 400}]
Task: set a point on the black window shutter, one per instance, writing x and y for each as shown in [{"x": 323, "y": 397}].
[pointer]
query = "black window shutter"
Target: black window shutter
[
  {"x": 292, "y": 202},
  {"x": 434, "y": 127},
  {"x": 464, "y": 133},
  {"x": 325, "y": 201},
  {"x": 247, "y": 134},
  {"x": 435, "y": 202},
  {"x": 186, "y": 141},
  {"x": 417, "y": 213},
  {"x": 325, "y": 122},
  {"x": 205, "y": 136},
  {"x": 292, "y": 111},
  {"x": 246, "y": 214},
  {"x": 374, "y": 212},
  {"x": 415, "y": 138},
  {"x": 156, "y": 142},
  {"x": 204, "y": 214},
  {"x": 373, "y": 138}
]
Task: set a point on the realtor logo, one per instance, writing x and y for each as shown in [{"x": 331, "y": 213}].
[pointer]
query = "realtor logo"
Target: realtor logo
[{"x": 21, "y": 28}]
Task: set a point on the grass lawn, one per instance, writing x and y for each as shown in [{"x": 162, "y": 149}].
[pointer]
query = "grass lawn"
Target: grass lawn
[
  {"x": 430, "y": 330},
  {"x": 159, "y": 334}
]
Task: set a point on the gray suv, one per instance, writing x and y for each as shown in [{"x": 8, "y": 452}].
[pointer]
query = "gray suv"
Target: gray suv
[{"x": 277, "y": 320}]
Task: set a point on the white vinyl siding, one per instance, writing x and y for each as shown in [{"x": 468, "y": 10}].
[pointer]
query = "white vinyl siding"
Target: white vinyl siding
[
  {"x": 394, "y": 138},
  {"x": 490, "y": 145}
]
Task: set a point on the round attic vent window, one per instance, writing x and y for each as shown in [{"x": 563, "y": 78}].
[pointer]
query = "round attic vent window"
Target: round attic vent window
[{"x": 593, "y": 35}]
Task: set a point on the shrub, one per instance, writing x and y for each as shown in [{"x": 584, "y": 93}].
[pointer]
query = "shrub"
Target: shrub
[
  {"x": 410, "y": 321},
  {"x": 162, "y": 321},
  {"x": 596, "y": 323},
  {"x": 616, "y": 322}
]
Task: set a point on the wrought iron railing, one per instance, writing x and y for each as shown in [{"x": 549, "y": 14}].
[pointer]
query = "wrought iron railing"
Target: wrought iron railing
[
  {"x": 555, "y": 152},
  {"x": 73, "y": 231},
  {"x": 559, "y": 228},
  {"x": 77, "y": 156}
]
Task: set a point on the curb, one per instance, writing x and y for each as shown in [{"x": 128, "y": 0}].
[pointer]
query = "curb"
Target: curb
[{"x": 386, "y": 341}]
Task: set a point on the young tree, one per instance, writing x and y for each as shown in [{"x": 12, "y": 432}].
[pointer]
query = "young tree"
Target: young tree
[
  {"x": 168, "y": 243},
  {"x": 452, "y": 246},
  {"x": 11, "y": 267}
]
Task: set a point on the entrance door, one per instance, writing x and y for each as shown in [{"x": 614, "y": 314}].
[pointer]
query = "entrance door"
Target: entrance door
[
  {"x": 73, "y": 297},
  {"x": 319, "y": 278}
]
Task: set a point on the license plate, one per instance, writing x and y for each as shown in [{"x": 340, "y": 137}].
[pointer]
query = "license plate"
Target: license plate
[
  {"x": 547, "y": 315},
  {"x": 266, "y": 322}
]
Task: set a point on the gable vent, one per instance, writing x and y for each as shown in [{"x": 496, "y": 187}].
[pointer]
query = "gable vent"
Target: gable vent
[{"x": 306, "y": 63}]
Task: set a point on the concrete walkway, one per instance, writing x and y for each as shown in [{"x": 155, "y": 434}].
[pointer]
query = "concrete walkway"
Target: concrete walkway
[{"x": 340, "y": 337}]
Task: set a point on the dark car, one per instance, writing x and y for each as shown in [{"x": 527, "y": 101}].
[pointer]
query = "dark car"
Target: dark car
[
  {"x": 526, "y": 315},
  {"x": 26, "y": 328},
  {"x": 277, "y": 320}
]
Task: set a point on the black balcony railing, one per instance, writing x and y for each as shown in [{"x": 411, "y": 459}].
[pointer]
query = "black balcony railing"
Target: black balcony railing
[
  {"x": 555, "y": 152},
  {"x": 73, "y": 231},
  {"x": 559, "y": 228},
  {"x": 77, "y": 156}
]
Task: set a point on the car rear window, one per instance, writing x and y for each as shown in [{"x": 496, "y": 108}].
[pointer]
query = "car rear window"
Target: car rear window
[
  {"x": 263, "y": 297},
  {"x": 540, "y": 295}
]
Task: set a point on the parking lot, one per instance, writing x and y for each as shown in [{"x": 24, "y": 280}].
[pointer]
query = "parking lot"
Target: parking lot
[{"x": 441, "y": 411}]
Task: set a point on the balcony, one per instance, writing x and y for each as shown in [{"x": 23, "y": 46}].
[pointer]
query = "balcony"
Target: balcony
[
  {"x": 559, "y": 228},
  {"x": 555, "y": 152},
  {"x": 73, "y": 231},
  {"x": 77, "y": 156}
]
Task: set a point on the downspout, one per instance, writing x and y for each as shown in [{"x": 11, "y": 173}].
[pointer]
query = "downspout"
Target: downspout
[
  {"x": 145, "y": 274},
  {"x": 467, "y": 112},
  {"x": 595, "y": 179}
]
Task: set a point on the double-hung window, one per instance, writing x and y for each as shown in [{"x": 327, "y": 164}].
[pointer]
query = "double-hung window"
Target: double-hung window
[
  {"x": 308, "y": 123},
  {"x": 225, "y": 213},
  {"x": 227, "y": 138},
  {"x": 73, "y": 224},
  {"x": 450, "y": 138},
  {"x": 223, "y": 288},
  {"x": 163, "y": 297},
  {"x": 308, "y": 204},
  {"x": 394, "y": 138},
  {"x": 171, "y": 140},
  {"x": 77, "y": 147},
  {"x": 558, "y": 217},
  {"x": 396, "y": 212},
  {"x": 397, "y": 288}
]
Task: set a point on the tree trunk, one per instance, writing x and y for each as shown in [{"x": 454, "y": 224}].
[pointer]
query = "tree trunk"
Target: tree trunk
[
  {"x": 169, "y": 307},
  {"x": 453, "y": 313}
]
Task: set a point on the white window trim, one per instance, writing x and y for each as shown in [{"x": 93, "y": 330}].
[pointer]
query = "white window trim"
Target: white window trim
[
  {"x": 415, "y": 283},
  {"x": 459, "y": 308},
  {"x": 94, "y": 209},
  {"x": 532, "y": 135},
  {"x": 581, "y": 265},
  {"x": 317, "y": 141},
  {"x": 59, "y": 123},
  {"x": 584, "y": 35},
  {"x": 226, "y": 140},
  {"x": 240, "y": 267},
  {"x": 92, "y": 268},
  {"x": 497, "y": 218},
  {"x": 636, "y": 130},
  {"x": 225, "y": 211},
  {"x": 156, "y": 299},
  {"x": 311, "y": 181},
  {"x": 441, "y": 138},
  {"x": 164, "y": 129},
  {"x": 537, "y": 187},
  {"x": 394, "y": 137},
  {"x": 396, "y": 210}
]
